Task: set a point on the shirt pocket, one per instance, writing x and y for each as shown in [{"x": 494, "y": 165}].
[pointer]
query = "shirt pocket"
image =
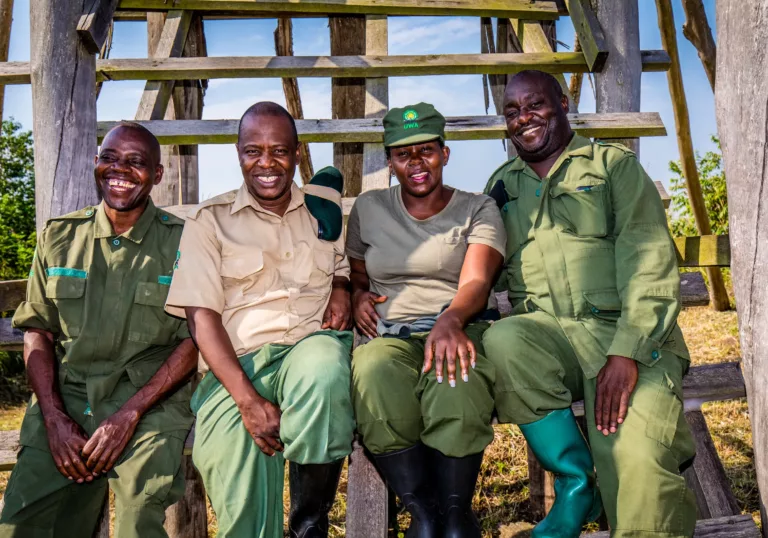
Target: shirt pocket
[
  {"x": 580, "y": 207},
  {"x": 140, "y": 373},
  {"x": 67, "y": 293},
  {"x": 604, "y": 305},
  {"x": 666, "y": 415},
  {"x": 325, "y": 259},
  {"x": 452, "y": 249},
  {"x": 511, "y": 217},
  {"x": 149, "y": 323},
  {"x": 241, "y": 277}
]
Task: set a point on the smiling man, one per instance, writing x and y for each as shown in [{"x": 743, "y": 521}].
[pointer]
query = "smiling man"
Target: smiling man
[
  {"x": 267, "y": 301},
  {"x": 592, "y": 276},
  {"x": 108, "y": 367}
]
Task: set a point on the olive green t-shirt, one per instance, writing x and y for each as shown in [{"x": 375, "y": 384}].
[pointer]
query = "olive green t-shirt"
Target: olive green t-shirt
[{"x": 417, "y": 263}]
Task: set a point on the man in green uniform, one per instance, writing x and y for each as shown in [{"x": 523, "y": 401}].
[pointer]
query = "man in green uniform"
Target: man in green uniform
[
  {"x": 108, "y": 367},
  {"x": 592, "y": 276},
  {"x": 263, "y": 280}
]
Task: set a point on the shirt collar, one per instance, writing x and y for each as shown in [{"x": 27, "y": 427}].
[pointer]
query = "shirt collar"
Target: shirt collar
[
  {"x": 244, "y": 198},
  {"x": 136, "y": 233}
]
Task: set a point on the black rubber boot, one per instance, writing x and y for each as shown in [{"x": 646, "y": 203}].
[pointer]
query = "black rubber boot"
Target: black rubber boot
[
  {"x": 313, "y": 489},
  {"x": 456, "y": 480},
  {"x": 407, "y": 473}
]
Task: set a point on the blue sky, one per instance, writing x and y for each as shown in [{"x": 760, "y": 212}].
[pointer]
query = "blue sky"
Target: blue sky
[{"x": 471, "y": 161}]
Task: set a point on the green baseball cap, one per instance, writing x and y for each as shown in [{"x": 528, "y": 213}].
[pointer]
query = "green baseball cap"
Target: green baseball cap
[{"x": 413, "y": 124}]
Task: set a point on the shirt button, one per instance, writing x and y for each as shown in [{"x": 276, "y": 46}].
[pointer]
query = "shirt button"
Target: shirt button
[
  {"x": 538, "y": 192},
  {"x": 655, "y": 355},
  {"x": 116, "y": 242},
  {"x": 89, "y": 213},
  {"x": 287, "y": 255},
  {"x": 595, "y": 310},
  {"x": 164, "y": 217}
]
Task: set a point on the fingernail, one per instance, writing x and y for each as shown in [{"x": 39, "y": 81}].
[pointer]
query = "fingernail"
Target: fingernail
[
  {"x": 439, "y": 379},
  {"x": 599, "y": 427},
  {"x": 452, "y": 382},
  {"x": 473, "y": 365},
  {"x": 466, "y": 378},
  {"x": 613, "y": 429}
]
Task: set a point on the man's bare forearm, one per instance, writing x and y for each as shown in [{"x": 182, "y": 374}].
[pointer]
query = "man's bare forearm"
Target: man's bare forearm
[
  {"x": 42, "y": 371},
  {"x": 214, "y": 343},
  {"x": 177, "y": 369}
]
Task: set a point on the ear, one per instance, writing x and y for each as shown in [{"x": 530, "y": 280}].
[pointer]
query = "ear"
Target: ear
[
  {"x": 446, "y": 154},
  {"x": 298, "y": 152},
  {"x": 95, "y": 160},
  {"x": 159, "y": 170},
  {"x": 565, "y": 103}
]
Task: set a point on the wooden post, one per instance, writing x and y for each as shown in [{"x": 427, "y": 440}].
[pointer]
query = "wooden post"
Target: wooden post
[
  {"x": 348, "y": 98},
  {"x": 6, "y": 18},
  {"x": 375, "y": 167},
  {"x": 180, "y": 183},
  {"x": 577, "y": 79},
  {"x": 63, "y": 76},
  {"x": 541, "y": 487},
  {"x": 741, "y": 94},
  {"x": 717, "y": 289},
  {"x": 188, "y": 518},
  {"x": 696, "y": 30},
  {"x": 284, "y": 47},
  {"x": 367, "y": 498},
  {"x": 618, "y": 85}
]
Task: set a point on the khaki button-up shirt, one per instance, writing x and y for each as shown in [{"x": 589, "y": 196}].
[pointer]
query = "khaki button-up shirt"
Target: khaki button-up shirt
[
  {"x": 268, "y": 276},
  {"x": 102, "y": 297},
  {"x": 589, "y": 244}
]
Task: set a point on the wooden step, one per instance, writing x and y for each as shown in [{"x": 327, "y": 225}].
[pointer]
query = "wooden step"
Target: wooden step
[
  {"x": 190, "y": 132},
  {"x": 333, "y": 66},
  {"x": 519, "y": 9},
  {"x": 724, "y": 527}
]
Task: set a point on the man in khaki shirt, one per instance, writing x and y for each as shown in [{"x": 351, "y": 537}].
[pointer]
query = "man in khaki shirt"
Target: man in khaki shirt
[{"x": 265, "y": 300}]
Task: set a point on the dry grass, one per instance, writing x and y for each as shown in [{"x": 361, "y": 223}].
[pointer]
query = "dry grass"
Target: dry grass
[{"x": 501, "y": 500}]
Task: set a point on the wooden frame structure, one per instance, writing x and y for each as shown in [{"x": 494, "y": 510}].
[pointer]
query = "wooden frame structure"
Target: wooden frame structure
[{"x": 63, "y": 72}]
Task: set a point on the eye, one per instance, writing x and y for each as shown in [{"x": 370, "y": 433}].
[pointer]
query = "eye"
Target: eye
[
  {"x": 512, "y": 113},
  {"x": 280, "y": 152},
  {"x": 536, "y": 105},
  {"x": 137, "y": 163},
  {"x": 250, "y": 152},
  {"x": 107, "y": 158}
]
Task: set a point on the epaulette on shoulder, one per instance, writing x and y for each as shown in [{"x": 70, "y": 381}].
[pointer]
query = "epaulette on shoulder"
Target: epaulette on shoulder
[
  {"x": 504, "y": 165},
  {"x": 168, "y": 218},
  {"x": 81, "y": 214},
  {"x": 222, "y": 199},
  {"x": 500, "y": 169},
  {"x": 615, "y": 145}
]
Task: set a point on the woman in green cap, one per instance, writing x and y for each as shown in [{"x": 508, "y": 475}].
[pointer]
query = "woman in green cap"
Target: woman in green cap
[{"x": 424, "y": 257}]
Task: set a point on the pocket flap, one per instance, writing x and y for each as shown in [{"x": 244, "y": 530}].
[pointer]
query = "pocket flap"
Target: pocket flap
[
  {"x": 325, "y": 259},
  {"x": 584, "y": 186},
  {"x": 604, "y": 300},
  {"x": 240, "y": 267},
  {"x": 151, "y": 294},
  {"x": 65, "y": 287}
]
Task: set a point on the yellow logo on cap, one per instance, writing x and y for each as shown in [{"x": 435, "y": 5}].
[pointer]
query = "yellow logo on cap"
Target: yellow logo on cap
[{"x": 410, "y": 115}]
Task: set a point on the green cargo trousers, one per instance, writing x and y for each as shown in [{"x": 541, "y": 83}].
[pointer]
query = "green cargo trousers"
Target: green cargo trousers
[
  {"x": 310, "y": 382},
  {"x": 637, "y": 467},
  {"x": 42, "y": 503},
  {"x": 396, "y": 405}
]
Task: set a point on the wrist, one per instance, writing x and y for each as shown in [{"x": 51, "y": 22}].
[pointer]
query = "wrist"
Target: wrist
[
  {"x": 341, "y": 284},
  {"x": 248, "y": 401},
  {"x": 452, "y": 317}
]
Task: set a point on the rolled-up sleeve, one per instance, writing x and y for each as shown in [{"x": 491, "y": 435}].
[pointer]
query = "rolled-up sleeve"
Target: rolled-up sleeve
[
  {"x": 487, "y": 228},
  {"x": 196, "y": 275},
  {"x": 355, "y": 246},
  {"x": 37, "y": 311}
]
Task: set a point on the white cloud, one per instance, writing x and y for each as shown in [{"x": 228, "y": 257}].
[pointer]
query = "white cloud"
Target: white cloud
[{"x": 419, "y": 35}]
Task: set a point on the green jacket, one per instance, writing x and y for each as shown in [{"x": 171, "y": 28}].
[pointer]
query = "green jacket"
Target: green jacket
[
  {"x": 102, "y": 297},
  {"x": 589, "y": 244}
]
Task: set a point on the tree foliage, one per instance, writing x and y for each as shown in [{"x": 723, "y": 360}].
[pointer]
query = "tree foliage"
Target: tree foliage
[
  {"x": 17, "y": 201},
  {"x": 712, "y": 178}
]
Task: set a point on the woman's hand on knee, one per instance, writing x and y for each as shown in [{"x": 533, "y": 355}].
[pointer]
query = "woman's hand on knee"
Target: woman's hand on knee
[
  {"x": 447, "y": 342},
  {"x": 364, "y": 310}
]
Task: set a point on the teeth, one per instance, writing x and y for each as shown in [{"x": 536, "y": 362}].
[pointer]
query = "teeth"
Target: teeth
[
  {"x": 121, "y": 184},
  {"x": 419, "y": 176},
  {"x": 530, "y": 130},
  {"x": 267, "y": 179}
]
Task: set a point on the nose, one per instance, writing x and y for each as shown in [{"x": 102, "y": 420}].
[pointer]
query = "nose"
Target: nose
[
  {"x": 523, "y": 117},
  {"x": 265, "y": 160}
]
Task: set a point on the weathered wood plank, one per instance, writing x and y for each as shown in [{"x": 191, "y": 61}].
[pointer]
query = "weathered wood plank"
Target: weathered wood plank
[
  {"x": 666, "y": 200},
  {"x": 704, "y": 251},
  {"x": 589, "y": 32},
  {"x": 157, "y": 94},
  {"x": 10, "y": 339},
  {"x": 726, "y": 527},
  {"x": 12, "y": 292},
  {"x": 367, "y": 498},
  {"x": 371, "y": 130},
  {"x": 523, "y": 9},
  {"x": 188, "y": 518},
  {"x": 6, "y": 21},
  {"x": 332, "y": 66},
  {"x": 707, "y": 477},
  {"x": 93, "y": 26},
  {"x": 693, "y": 289},
  {"x": 375, "y": 168}
]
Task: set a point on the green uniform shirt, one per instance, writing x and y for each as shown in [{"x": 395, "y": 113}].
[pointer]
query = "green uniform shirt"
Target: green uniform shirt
[
  {"x": 589, "y": 244},
  {"x": 102, "y": 297}
]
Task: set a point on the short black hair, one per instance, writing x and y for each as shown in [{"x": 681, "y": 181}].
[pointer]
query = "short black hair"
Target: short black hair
[
  {"x": 549, "y": 81},
  {"x": 388, "y": 149},
  {"x": 268, "y": 108},
  {"x": 151, "y": 139}
]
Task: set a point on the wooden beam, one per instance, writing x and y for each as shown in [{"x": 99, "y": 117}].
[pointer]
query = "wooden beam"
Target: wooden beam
[
  {"x": 6, "y": 20},
  {"x": 371, "y": 130},
  {"x": 696, "y": 30},
  {"x": 195, "y": 68},
  {"x": 157, "y": 95},
  {"x": 618, "y": 84},
  {"x": 524, "y": 9},
  {"x": 589, "y": 33},
  {"x": 577, "y": 79},
  {"x": 12, "y": 293},
  {"x": 375, "y": 167},
  {"x": 720, "y": 300},
  {"x": 726, "y": 527},
  {"x": 666, "y": 200},
  {"x": 348, "y": 99},
  {"x": 64, "y": 115},
  {"x": 703, "y": 251},
  {"x": 693, "y": 289},
  {"x": 284, "y": 47},
  {"x": 367, "y": 497},
  {"x": 94, "y": 23}
]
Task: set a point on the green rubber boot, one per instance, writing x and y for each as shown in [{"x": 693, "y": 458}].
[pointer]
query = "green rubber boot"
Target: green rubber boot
[{"x": 558, "y": 444}]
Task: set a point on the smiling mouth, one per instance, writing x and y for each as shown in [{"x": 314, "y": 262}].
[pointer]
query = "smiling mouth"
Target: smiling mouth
[
  {"x": 529, "y": 131},
  {"x": 421, "y": 177},
  {"x": 119, "y": 185},
  {"x": 267, "y": 180}
]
